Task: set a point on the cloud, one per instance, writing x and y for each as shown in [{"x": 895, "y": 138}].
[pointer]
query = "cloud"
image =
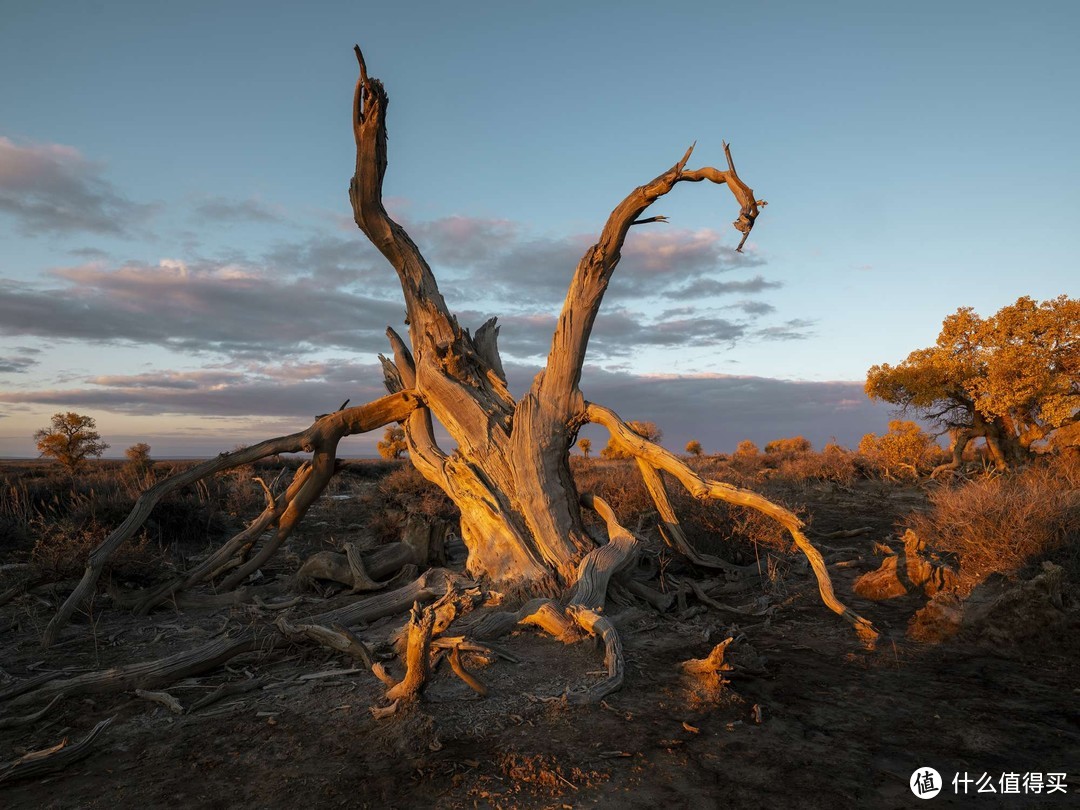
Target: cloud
[
  {"x": 795, "y": 329},
  {"x": 755, "y": 307},
  {"x": 705, "y": 287},
  {"x": 16, "y": 365},
  {"x": 617, "y": 332},
  {"x": 53, "y": 189},
  {"x": 333, "y": 260},
  {"x": 222, "y": 209},
  {"x": 256, "y": 390},
  {"x": 197, "y": 307},
  {"x": 503, "y": 256},
  {"x": 460, "y": 241},
  {"x": 717, "y": 410}
]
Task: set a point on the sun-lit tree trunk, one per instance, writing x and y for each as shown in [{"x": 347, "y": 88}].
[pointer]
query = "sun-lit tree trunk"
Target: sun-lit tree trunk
[{"x": 510, "y": 476}]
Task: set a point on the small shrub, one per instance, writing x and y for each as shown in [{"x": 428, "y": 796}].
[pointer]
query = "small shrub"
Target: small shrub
[
  {"x": 786, "y": 448},
  {"x": 906, "y": 451}
]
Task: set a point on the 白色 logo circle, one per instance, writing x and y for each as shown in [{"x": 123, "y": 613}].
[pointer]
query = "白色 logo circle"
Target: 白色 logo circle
[{"x": 925, "y": 782}]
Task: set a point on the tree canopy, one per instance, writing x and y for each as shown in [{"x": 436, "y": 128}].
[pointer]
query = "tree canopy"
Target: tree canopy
[
  {"x": 70, "y": 438},
  {"x": 1012, "y": 378}
]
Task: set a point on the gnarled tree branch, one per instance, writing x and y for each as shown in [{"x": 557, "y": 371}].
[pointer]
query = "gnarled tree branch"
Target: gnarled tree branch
[
  {"x": 703, "y": 488},
  {"x": 325, "y": 433}
]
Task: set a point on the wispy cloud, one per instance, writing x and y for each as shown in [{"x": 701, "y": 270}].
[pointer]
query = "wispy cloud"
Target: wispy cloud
[
  {"x": 718, "y": 410},
  {"x": 225, "y": 210},
  {"x": 16, "y": 365},
  {"x": 705, "y": 287},
  {"x": 51, "y": 189},
  {"x": 200, "y": 307}
]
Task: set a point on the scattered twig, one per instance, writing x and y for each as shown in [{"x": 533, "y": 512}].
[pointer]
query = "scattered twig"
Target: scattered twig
[
  {"x": 162, "y": 698},
  {"x": 459, "y": 669},
  {"x": 55, "y": 758},
  {"x": 227, "y": 690}
]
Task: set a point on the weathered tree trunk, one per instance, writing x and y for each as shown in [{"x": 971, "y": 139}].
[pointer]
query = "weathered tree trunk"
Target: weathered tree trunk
[{"x": 510, "y": 476}]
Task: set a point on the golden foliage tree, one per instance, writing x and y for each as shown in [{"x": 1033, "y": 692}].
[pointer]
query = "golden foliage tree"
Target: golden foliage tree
[
  {"x": 70, "y": 438},
  {"x": 585, "y": 446},
  {"x": 393, "y": 444},
  {"x": 903, "y": 452},
  {"x": 138, "y": 458},
  {"x": 693, "y": 448},
  {"x": 1011, "y": 379}
]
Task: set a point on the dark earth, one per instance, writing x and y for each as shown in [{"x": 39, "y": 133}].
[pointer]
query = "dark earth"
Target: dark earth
[{"x": 808, "y": 718}]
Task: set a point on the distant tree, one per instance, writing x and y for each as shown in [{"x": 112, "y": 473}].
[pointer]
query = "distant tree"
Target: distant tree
[
  {"x": 1012, "y": 379},
  {"x": 746, "y": 449},
  {"x": 790, "y": 446},
  {"x": 693, "y": 447},
  {"x": 585, "y": 445},
  {"x": 138, "y": 458},
  {"x": 903, "y": 452},
  {"x": 647, "y": 430},
  {"x": 392, "y": 445},
  {"x": 70, "y": 438}
]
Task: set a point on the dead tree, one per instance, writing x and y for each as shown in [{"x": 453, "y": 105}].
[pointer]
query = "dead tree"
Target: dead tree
[{"x": 521, "y": 516}]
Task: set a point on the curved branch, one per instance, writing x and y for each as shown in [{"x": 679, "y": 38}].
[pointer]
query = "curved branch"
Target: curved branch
[
  {"x": 326, "y": 432},
  {"x": 703, "y": 488},
  {"x": 559, "y": 381},
  {"x": 232, "y": 552},
  {"x": 670, "y": 529}
]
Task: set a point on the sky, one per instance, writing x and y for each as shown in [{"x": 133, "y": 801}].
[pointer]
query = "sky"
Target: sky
[{"x": 178, "y": 258}]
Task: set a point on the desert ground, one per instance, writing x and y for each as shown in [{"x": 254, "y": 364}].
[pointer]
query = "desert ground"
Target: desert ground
[{"x": 805, "y": 715}]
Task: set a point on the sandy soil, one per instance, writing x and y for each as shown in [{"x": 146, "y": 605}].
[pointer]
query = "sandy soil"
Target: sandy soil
[{"x": 809, "y": 719}]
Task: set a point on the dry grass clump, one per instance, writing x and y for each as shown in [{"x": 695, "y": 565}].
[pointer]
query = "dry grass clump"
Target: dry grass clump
[
  {"x": 713, "y": 527},
  {"x": 1007, "y": 522},
  {"x": 397, "y": 494},
  {"x": 53, "y": 520}
]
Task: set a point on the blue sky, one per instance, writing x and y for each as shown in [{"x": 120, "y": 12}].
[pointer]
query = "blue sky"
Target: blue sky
[{"x": 178, "y": 258}]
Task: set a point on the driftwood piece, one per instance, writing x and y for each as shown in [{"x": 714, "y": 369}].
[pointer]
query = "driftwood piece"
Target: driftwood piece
[
  {"x": 459, "y": 669},
  {"x": 57, "y": 758},
  {"x": 337, "y": 639},
  {"x": 421, "y": 623},
  {"x": 712, "y": 664},
  {"x": 376, "y": 564}
]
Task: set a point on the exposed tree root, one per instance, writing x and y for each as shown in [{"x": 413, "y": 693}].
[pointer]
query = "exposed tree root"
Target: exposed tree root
[
  {"x": 592, "y": 622},
  {"x": 417, "y": 655}
]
